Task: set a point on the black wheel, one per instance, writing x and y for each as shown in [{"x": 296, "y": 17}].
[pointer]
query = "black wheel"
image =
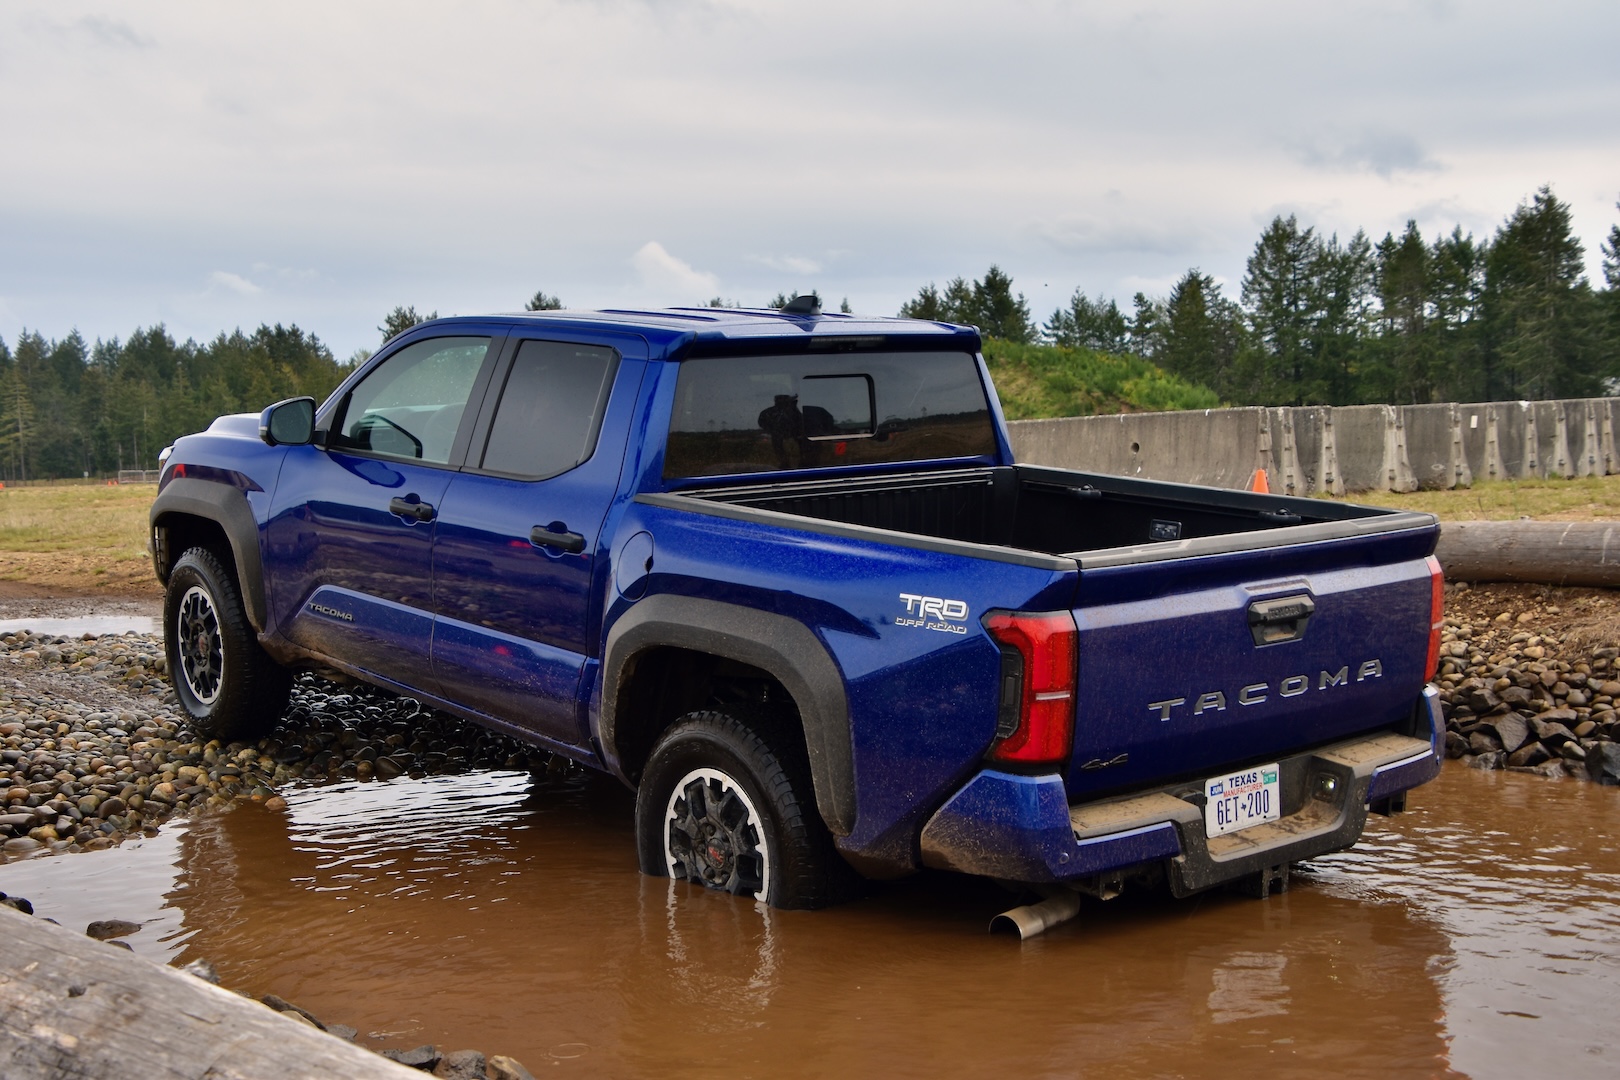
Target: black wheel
[
  {"x": 227, "y": 684},
  {"x": 718, "y": 806}
]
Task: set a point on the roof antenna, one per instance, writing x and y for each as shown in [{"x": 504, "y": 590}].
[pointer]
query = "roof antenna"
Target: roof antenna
[{"x": 803, "y": 305}]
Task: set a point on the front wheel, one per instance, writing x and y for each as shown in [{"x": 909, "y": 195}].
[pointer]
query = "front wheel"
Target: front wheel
[
  {"x": 226, "y": 683},
  {"x": 720, "y": 807}
]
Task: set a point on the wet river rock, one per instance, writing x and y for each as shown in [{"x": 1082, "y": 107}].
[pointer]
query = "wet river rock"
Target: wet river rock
[
  {"x": 94, "y": 747},
  {"x": 1519, "y": 694}
]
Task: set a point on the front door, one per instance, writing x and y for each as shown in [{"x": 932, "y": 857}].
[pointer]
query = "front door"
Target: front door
[
  {"x": 350, "y": 548},
  {"x": 516, "y": 549}
]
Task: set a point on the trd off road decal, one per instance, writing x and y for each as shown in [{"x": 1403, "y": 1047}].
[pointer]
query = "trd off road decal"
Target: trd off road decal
[{"x": 933, "y": 613}]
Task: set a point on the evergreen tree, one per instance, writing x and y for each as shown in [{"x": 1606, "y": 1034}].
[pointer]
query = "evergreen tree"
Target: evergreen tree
[
  {"x": 402, "y": 319},
  {"x": 1403, "y": 371},
  {"x": 988, "y": 303},
  {"x": 927, "y": 304},
  {"x": 1000, "y": 313},
  {"x": 1147, "y": 325},
  {"x": 1343, "y": 286},
  {"x": 1457, "y": 290},
  {"x": 541, "y": 301},
  {"x": 1278, "y": 296},
  {"x": 1199, "y": 333},
  {"x": 1537, "y": 306},
  {"x": 1088, "y": 324}
]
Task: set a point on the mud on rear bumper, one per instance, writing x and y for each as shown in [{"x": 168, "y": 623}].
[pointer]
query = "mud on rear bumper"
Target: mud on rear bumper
[{"x": 1020, "y": 828}]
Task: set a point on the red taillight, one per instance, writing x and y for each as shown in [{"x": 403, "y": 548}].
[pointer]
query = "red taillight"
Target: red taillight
[
  {"x": 1437, "y": 617},
  {"x": 1036, "y": 723}
]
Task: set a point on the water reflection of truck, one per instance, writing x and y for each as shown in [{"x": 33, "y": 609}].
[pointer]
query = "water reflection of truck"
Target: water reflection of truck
[{"x": 815, "y": 656}]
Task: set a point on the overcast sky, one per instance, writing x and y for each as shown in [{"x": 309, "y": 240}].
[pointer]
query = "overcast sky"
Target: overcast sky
[{"x": 211, "y": 165}]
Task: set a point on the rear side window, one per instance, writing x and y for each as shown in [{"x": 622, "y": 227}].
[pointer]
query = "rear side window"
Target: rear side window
[
  {"x": 769, "y": 413},
  {"x": 550, "y": 409}
]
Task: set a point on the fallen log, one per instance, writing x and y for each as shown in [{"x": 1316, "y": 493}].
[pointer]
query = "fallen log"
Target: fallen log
[
  {"x": 72, "y": 1006},
  {"x": 1537, "y": 552}
]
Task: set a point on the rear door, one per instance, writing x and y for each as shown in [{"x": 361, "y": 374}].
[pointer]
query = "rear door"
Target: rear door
[
  {"x": 517, "y": 555},
  {"x": 351, "y": 533}
]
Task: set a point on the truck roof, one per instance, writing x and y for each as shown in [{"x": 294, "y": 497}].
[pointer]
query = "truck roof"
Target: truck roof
[{"x": 693, "y": 331}]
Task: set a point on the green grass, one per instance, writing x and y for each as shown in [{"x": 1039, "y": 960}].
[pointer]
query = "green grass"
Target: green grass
[
  {"x": 1589, "y": 498},
  {"x": 1037, "y": 381},
  {"x": 77, "y": 538},
  {"x": 75, "y": 518}
]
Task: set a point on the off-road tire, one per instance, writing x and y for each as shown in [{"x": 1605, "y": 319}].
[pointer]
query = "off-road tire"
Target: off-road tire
[
  {"x": 227, "y": 684},
  {"x": 730, "y": 758}
]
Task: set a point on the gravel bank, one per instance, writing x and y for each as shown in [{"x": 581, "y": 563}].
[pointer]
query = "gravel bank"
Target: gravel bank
[
  {"x": 1529, "y": 681},
  {"x": 93, "y": 746}
]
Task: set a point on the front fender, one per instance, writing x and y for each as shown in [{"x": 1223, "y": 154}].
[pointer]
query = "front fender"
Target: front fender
[{"x": 225, "y": 505}]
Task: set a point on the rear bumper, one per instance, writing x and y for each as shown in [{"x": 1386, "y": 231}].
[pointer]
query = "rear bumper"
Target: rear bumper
[{"x": 1021, "y": 828}]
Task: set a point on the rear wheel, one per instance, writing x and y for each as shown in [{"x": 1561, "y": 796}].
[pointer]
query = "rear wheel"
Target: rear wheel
[
  {"x": 719, "y": 806},
  {"x": 226, "y": 683}
]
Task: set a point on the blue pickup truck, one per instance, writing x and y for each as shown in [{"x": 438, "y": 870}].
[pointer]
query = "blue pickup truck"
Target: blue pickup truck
[{"x": 780, "y": 573}]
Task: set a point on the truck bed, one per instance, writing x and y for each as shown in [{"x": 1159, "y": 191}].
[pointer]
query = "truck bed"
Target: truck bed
[{"x": 1095, "y": 519}]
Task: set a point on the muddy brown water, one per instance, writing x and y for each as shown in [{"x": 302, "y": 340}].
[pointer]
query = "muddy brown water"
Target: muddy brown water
[{"x": 1478, "y": 934}]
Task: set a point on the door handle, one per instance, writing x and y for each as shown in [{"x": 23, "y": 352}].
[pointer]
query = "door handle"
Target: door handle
[
  {"x": 418, "y": 510},
  {"x": 571, "y": 542}
]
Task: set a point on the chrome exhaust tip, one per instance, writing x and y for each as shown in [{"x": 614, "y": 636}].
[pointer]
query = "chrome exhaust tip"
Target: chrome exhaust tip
[{"x": 1058, "y": 908}]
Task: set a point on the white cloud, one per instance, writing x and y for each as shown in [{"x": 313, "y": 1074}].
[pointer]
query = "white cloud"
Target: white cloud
[
  {"x": 234, "y": 282},
  {"x": 677, "y": 281},
  {"x": 790, "y": 264}
]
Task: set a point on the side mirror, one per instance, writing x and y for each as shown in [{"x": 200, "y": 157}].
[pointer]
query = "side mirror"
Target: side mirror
[{"x": 288, "y": 423}]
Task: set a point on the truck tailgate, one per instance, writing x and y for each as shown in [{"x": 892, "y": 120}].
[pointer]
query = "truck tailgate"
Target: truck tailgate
[{"x": 1244, "y": 656}]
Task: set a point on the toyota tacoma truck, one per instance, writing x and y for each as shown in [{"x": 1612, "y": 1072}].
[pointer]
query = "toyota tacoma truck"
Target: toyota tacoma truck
[{"x": 781, "y": 573}]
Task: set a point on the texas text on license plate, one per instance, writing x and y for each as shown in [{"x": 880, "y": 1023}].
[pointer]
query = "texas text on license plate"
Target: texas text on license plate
[{"x": 1242, "y": 799}]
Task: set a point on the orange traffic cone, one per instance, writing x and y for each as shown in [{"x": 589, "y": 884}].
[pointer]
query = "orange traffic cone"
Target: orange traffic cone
[{"x": 1258, "y": 484}]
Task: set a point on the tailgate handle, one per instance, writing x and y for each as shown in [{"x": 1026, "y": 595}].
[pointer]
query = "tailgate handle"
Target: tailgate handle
[{"x": 1281, "y": 619}]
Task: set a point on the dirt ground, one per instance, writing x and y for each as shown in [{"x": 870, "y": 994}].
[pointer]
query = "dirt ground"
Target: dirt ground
[
  {"x": 65, "y": 595},
  {"x": 1585, "y": 619}
]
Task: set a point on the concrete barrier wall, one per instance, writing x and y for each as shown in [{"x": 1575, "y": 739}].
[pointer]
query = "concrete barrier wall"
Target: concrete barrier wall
[{"x": 1350, "y": 448}]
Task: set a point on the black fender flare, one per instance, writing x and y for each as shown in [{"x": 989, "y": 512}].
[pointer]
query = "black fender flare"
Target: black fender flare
[
  {"x": 787, "y": 649},
  {"x": 228, "y": 508}
]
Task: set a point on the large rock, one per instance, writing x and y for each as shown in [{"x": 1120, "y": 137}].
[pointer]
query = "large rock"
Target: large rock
[
  {"x": 1512, "y": 731},
  {"x": 1604, "y": 763},
  {"x": 1528, "y": 755},
  {"x": 460, "y": 1065},
  {"x": 501, "y": 1067},
  {"x": 1550, "y": 729}
]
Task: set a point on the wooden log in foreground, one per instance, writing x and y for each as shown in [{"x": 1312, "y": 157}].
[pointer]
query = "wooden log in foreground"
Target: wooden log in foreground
[
  {"x": 72, "y": 1007},
  {"x": 1538, "y": 552}
]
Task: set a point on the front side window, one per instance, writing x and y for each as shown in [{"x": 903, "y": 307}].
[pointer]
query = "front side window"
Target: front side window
[
  {"x": 411, "y": 406},
  {"x": 770, "y": 413},
  {"x": 550, "y": 409}
]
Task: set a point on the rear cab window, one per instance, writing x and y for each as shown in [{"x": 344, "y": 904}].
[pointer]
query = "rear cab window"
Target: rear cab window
[{"x": 752, "y": 414}]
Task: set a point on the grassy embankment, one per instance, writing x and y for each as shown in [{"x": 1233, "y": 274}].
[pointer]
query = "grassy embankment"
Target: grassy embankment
[{"x": 1038, "y": 381}]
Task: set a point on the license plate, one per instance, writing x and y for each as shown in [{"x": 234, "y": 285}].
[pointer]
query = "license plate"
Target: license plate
[{"x": 1241, "y": 799}]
